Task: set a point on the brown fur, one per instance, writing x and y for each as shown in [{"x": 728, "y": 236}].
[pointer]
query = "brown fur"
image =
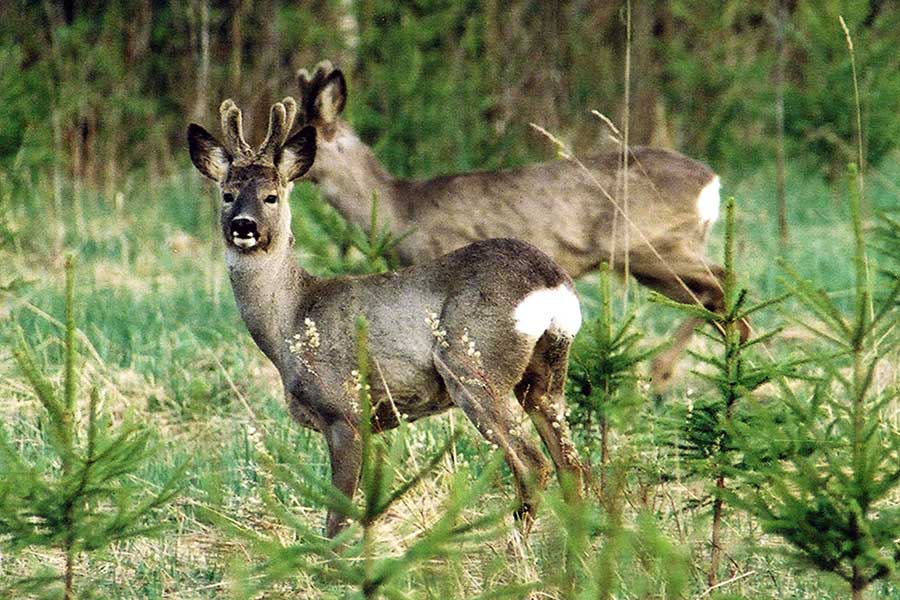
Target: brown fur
[{"x": 554, "y": 205}]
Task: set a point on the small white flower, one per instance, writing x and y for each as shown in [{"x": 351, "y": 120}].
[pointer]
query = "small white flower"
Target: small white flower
[
  {"x": 312, "y": 333},
  {"x": 431, "y": 318}
]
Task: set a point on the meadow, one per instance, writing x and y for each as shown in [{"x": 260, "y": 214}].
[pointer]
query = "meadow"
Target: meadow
[{"x": 161, "y": 340}]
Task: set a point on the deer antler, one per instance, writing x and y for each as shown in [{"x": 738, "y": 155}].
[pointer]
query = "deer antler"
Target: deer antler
[
  {"x": 281, "y": 119},
  {"x": 233, "y": 130},
  {"x": 311, "y": 85}
]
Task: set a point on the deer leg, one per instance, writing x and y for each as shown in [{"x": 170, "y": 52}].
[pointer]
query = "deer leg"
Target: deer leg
[
  {"x": 663, "y": 366},
  {"x": 493, "y": 414},
  {"x": 684, "y": 277},
  {"x": 542, "y": 394},
  {"x": 345, "y": 450}
]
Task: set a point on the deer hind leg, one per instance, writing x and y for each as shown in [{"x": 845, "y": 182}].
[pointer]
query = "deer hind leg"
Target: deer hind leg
[
  {"x": 494, "y": 413},
  {"x": 685, "y": 277},
  {"x": 541, "y": 392}
]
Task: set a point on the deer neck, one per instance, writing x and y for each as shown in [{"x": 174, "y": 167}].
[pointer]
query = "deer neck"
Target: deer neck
[
  {"x": 268, "y": 288},
  {"x": 348, "y": 174}
]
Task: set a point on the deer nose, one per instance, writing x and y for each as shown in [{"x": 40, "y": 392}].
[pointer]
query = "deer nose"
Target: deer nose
[{"x": 243, "y": 227}]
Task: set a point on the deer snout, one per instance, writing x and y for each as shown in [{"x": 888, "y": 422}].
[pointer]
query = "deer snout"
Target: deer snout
[{"x": 244, "y": 232}]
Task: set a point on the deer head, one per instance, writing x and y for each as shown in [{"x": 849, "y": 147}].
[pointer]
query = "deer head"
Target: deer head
[
  {"x": 255, "y": 183},
  {"x": 346, "y": 169}
]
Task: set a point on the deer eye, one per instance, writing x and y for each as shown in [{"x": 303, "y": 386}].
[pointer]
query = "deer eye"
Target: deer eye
[
  {"x": 271, "y": 199},
  {"x": 227, "y": 198}
]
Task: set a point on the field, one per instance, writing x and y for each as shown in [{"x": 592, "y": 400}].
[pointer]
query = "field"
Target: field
[
  {"x": 145, "y": 447},
  {"x": 161, "y": 340}
]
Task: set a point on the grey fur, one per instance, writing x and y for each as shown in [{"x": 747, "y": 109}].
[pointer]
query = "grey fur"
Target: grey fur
[
  {"x": 441, "y": 334},
  {"x": 554, "y": 205}
]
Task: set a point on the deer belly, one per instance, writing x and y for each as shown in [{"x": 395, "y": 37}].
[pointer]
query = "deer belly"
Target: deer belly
[
  {"x": 388, "y": 412},
  {"x": 406, "y": 394}
]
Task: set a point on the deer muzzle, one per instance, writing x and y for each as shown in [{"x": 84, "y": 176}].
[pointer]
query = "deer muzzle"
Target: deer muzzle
[{"x": 244, "y": 233}]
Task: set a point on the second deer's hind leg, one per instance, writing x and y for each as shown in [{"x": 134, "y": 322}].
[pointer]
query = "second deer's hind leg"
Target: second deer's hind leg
[
  {"x": 494, "y": 414},
  {"x": 663, "y": 366},
  {"x": 684, "y": 276},
  {"x": 542, "y": 394}
]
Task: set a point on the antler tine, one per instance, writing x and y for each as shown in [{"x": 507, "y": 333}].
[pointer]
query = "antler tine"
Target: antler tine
[
  {"x": 290, "y": 106},
  {"x": 232, "y": 128},
  {"x": 304, "y": 81},
  {"x": 281, "y": 119}
]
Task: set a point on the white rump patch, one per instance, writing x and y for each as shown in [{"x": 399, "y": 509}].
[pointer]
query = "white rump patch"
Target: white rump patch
[
  {"x": 556, "y": 308},
  {"x": 708, "y": 201}
]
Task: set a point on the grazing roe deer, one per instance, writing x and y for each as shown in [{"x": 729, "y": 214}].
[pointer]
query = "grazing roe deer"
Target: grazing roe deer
[
  {"x": 472, "y": 329},
  {"x": 554, "y": 205}
]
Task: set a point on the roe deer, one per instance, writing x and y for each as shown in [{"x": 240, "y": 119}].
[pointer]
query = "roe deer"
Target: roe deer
[
  {"x": 554, "y": 205},
  {"x": 471, "y": 329}
]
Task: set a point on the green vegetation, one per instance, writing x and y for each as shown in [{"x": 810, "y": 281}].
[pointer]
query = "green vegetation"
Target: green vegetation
[
  {"x": 603, "y": 376},
  {"x": 706, "y": 440},
  {"x": 166, "y": 346},
  {"x": 835, "y": 503},
  {"x": 75, "y": 492},
  {"x": 440, "y": 85},
  {"x": 800, "y": 427}
]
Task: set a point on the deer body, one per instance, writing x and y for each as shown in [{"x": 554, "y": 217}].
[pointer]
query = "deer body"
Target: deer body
[
  {"x": 472, "y": 329},
  {"x": 556, "y": 206},
  {"x": 411, "y": 315},
  {"x": 551, "y": 205}
]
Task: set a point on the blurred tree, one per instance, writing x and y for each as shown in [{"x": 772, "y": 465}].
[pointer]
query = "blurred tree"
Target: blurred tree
[
  {"x": 819, "y": 103},
  {"x": 98, "y": 89}
]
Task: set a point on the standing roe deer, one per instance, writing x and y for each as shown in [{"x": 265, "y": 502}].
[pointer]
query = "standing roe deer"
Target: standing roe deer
[
  {"x": 554, "y": 205},
  {"x": 470, "y": 329}
]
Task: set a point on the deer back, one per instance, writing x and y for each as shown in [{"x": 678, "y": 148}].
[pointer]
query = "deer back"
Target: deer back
[{"x": 577, "y": 214}]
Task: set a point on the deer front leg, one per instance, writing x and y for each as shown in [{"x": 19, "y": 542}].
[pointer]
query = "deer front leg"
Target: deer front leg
[
  {"x": 345, "y": 450},
  {"x": 663, "y": 366}
]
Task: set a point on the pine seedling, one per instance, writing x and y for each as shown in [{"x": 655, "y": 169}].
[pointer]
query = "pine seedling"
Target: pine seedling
[
  {"x": 608, "y": 557},
  {"x": 77, "y": 493},
  {"x": 887, "y": 242},
  {"x": 707, "y": 441},
  {"x": 378, "y": 246},
  {"x": 355, "y": 559},
  {"x": 603, "y": 377},
  {"x": 831, "y": 498},
  {"x": 338, "y": 251}
]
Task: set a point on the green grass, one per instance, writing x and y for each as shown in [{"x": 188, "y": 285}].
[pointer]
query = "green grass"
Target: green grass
[{"x": 156, "y": 307}]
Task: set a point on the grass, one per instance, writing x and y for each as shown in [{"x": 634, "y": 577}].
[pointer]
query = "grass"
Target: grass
[{"x": 168, "y": 347}]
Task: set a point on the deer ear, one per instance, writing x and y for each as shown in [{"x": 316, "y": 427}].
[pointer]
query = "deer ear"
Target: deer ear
[
  {"x": 207, "y": 154},
  {"x": 331, "y": 98},
  {"x": 297, "y": 154}
]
